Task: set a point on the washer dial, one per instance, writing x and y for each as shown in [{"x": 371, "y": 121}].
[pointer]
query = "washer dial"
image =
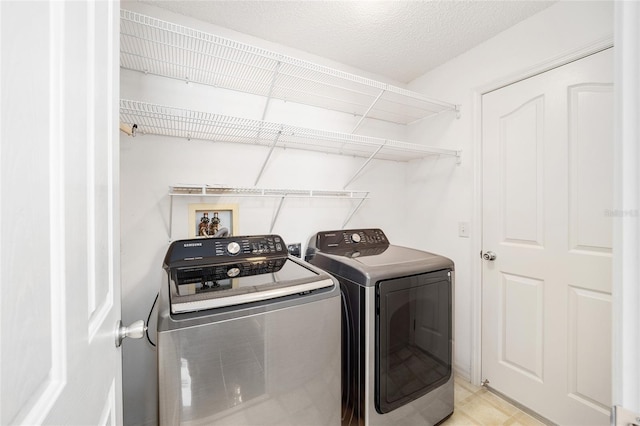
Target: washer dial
[
  {"x": 233, "y": 272},
  {"x": 356, "y": 238},
  {"x": 233, "y": 248}
]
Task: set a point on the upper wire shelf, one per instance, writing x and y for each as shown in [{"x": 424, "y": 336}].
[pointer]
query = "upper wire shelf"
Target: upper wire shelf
[
  {"x": 162, "y": 48},
  {"x": 188, "y": 124}
]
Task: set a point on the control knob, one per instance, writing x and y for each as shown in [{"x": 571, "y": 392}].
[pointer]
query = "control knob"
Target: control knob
[
  {"x": 356, "y": 238},
  {"x": 233, "y": 248},
  {"x": 233, "y": 272}
]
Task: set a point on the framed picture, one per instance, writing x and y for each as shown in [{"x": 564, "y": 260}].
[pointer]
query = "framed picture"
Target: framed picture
[{"x": 209, "y": 220}]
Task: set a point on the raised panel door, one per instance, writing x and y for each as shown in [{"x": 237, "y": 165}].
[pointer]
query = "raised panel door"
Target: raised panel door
[
  {"x": 547, "y": 152},
  {"x": 60, "y": 298}
]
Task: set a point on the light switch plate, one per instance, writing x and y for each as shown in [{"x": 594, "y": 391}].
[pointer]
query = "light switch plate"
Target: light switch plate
[{"x": 463, "y": 229}]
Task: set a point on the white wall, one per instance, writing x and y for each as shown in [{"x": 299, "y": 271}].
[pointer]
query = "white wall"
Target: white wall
[
  {"x": 150, "y": 164},
  {"x": 441, "y": 197}
]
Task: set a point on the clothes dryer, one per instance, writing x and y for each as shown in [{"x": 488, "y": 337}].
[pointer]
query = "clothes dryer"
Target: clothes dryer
[{"x": 397, "y": 327}]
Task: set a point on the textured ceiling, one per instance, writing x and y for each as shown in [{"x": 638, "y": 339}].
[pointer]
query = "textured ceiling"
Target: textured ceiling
[{"x": 397, "y": 39}]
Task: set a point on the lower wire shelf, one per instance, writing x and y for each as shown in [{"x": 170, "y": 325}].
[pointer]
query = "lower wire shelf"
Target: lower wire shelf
[{"x": 197, "y": 190}]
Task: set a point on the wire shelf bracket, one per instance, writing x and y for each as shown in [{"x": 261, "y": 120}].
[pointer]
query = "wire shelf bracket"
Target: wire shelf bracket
[
  {"x": 367, "y": 161},
  {"x": 353, "y": 212},
  {"x": 359, "y": 123},
  {"x": 271, "y": 86},
  {"x": 266, "y": 160},
  {"x": 275, "y": 217}
]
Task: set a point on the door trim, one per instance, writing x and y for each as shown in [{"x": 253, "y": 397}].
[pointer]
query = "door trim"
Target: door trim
[
  {"x": 626, "y": 232},
  {"x": 476, "y": 237}
]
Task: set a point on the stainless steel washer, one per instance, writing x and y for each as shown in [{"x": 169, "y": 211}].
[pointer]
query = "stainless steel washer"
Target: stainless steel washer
[
  {"x": 397, "y": 327},
  {"x": 247, "y": 335}
]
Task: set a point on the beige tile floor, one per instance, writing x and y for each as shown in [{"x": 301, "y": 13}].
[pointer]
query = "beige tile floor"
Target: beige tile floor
[{"x": 477, "y": 406}]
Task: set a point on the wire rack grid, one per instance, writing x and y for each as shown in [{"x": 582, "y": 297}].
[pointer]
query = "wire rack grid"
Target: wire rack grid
[
  {"x": 216, "y": 190},
  {"x": 158, "y": 47},
  {"x": 188, "y": 124}
]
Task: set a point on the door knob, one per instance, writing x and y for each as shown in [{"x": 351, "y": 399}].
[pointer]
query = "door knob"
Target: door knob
[
  {"x": 489, "y": 255},
  {"x": 135, "y": 331}
]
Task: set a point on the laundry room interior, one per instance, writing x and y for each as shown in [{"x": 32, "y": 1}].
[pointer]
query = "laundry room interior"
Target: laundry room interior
[
  {"x": 398, "y": 154},
  {"x": 308, "y": 213}
]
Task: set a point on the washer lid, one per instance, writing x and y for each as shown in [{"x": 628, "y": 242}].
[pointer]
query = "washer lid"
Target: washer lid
[{"x": 199, "y": 287}]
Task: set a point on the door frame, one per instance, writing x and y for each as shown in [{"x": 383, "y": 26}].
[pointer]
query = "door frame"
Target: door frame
[
  {"x": 626, "y": 230},
  {"x": 476, "y": 237}
]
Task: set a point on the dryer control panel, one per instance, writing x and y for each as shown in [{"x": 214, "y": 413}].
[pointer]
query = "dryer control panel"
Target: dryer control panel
[
  {"x": 223, "y": 250},
  {"x": 364, "y": 241}
]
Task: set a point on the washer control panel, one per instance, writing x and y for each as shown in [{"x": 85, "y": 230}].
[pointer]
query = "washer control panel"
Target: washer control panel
[
  {"x": 351, "y": 238},
  {"x": 262, "y": 245},
  {"x": 221, "y": 250}
]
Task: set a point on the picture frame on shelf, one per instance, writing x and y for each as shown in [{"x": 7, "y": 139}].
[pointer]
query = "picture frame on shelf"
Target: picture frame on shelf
[{"x": 213, "y": 220}]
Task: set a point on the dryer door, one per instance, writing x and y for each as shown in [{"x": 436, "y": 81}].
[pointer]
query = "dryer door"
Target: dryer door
[{"x": 413, "y": 337}]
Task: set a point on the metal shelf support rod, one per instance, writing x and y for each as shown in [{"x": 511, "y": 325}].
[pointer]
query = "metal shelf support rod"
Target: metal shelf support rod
[
  {"x": 276, "y": 70},
  {"x": 354, "y": 211},
  {"x": 456, "y": 109},
  {"x": 266, "y": 160},
  {"x": 170, "y": 217},
  {"x": 364, "y": 165},
  {"x": 273, "y": 222},
  {"x": 368, "y": 111}
]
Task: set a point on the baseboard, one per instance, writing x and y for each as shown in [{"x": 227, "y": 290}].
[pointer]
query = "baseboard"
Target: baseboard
[{"x": 461, "y": 372}]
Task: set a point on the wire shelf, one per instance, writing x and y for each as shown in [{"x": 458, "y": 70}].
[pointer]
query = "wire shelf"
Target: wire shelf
[
  {"x": 162, "y": 48},
  {"x": 197, "y": 190},
  {"x": 226, "y": 191},
  {"x": 188, "y": 124}
]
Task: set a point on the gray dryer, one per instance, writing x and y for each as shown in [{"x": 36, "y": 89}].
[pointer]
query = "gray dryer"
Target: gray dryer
[{"x": 397, "y": 327}]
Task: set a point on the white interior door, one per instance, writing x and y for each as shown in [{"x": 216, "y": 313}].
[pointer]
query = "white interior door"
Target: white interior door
[
  {"x": 547, "y": 199},
  {"x": 59, "y": 251}
]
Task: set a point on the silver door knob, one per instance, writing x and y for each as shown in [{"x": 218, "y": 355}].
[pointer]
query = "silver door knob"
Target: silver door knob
[
  {"x": 489, "y": 255},
  {"x": 134, "y": 331}
]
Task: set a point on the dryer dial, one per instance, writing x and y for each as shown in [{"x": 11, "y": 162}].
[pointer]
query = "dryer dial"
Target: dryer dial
[{"x": 356, "y": 238}]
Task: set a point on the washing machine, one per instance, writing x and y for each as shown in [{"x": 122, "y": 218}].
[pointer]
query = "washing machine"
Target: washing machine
[
  {"x": 246, "y": 335},
  {"x": 397, "y": 327}
]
